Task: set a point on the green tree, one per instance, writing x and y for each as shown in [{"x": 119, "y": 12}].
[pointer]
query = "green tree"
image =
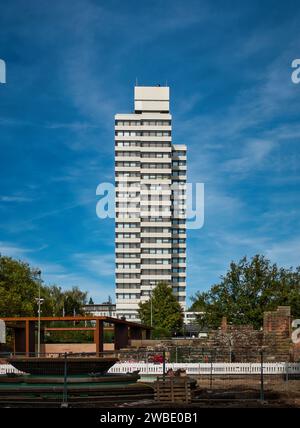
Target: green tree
[
  {"x": 74, "y": 300},
  {"x": 53, "y": 301},
  {"x": 18, "y": 288},
  {"x": 247, "y": 290},
  {"x": 63, "y": 302},
  {"x": 91, "y": 301},
  {"x": 167, "y": 315}
]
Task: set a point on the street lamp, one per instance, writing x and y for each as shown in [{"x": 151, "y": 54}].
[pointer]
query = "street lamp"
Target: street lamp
[
  {"x": 151, "y": 306},
  {"x": 39, "y": 301},
  {"x": 151, "y": 313}
]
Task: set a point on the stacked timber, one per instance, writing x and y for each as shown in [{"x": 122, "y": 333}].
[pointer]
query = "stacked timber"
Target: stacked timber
[{"x": 173, "y": 389}]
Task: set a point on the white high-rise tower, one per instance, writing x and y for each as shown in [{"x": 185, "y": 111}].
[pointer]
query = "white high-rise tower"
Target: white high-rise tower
[{"x": 150, "y": 175}]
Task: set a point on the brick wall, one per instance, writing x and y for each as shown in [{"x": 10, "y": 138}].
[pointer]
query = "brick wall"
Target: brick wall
[
  {"x": 277, "y": 334},
  {"x": 241, "y": 343}
]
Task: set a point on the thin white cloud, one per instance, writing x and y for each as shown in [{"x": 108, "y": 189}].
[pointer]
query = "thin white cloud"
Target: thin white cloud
[
  {"x": 12, "y": 250},
  {"x": 286, "y": 252},
  {"x": 59, "y": 274},
  {"x": 253, "y": 156},
  {"x": 15, "y": 198},
  {"x": 101, "y": 264}
]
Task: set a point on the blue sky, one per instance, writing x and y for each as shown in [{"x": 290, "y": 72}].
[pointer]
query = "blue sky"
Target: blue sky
[{"x": 71, "y": 65}]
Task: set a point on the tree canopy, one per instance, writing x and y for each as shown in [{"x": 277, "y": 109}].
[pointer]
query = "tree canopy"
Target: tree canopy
[
  {"x": 247, "y": 290},
  {"x": 19, "y": 289},
  {"x": 167, "y": 314}
]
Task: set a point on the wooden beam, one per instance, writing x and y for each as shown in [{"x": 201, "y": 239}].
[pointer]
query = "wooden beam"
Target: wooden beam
[
  {"x": 121, "y": 336},
  {"x": 75, "y": 328},
  {"x": 76, "y": 318},
  {"x": 27, "y": 341},
  {"x": 98, "y": 336},
  {"x": 69, "y": 328}
]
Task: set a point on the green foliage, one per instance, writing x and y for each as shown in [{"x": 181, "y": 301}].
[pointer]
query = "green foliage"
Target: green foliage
[
  {"x": 73, "y": 300},
  {"x": 60, "y": 302},
  {"x": 108, "y": 336},
  {"x": 69, "y": 337},
  {"x": 19, "y": 289},
  {"x": 161, "y": 333},
  {"x": 167, "y": 315},
  {"x": 247, "y": 290}
]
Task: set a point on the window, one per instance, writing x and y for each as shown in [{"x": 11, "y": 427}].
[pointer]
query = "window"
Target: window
[
  {"x": 127, "y": 266},
  {"x": 178, "y": 260},
  {"x": 178, "y": 250},
  {"x": 155, "y": 144},
  {"x": 179, "y": 153},
  {"x": 127, "y": 296},
  {"x": 127, "y": 235},
  {"x": 127, "y": 133},
  {"x": 178, "y": 270},
  {"x": 127, "y": 225},
  {"x": 127, "y": 144},
  {"x": 178, "y": 279}
]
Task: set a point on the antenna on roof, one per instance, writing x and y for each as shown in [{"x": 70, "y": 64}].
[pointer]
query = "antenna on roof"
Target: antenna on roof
[
  {"x": 166, "y": 82},
  {"x": 136, "y": 81}
]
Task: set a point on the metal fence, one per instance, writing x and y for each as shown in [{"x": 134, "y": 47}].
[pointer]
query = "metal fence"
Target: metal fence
[{"x": 218, "y": 375}]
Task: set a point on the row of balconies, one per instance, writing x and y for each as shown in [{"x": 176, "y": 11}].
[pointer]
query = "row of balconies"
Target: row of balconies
[
  {"x": 150, "y": 196},
  {"x": 157, "y": 180},
  {"x": 154, "y": 138},
  {"x": 166, "y": 148},
  {"x": 143, "y": 116},
  {"x": 141, "y": 260},
  {"x": 146, "y": 276},
  {"x": 135, "y": 213},
  {"x": 143, "y": 202},
  {"x": 120, "y": 157},
  {"x": 143, "y": 128}
]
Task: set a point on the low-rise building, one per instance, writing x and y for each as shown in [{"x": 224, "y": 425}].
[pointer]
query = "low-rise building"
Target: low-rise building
[
  {"x": 191, "y": 317},
  {"x": 106, "y": 309}
]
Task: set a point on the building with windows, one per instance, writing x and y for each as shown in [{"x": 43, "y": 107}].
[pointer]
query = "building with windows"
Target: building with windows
[
  {"x": 150, "y": 178},
  {"x": 191, "y": 317},
  {"x": 106, "y": 309}
]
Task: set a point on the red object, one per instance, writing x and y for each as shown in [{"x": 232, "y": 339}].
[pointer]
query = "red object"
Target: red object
[{"x": 158, "y": 358}]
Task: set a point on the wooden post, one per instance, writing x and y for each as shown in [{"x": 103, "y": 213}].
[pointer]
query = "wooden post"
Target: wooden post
[
  {"x": 121, "y": 336},
  {"x": 20, "y": 340},
  {"x": 98, "y": 336},
  {"x": 172, "y": 390},
  {"x": 135, "y": 333},
  {"x": 27, "y": 338}
]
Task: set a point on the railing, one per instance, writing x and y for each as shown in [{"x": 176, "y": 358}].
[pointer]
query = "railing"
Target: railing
[
  {"x": 8, "y": 369},
  {"x": 194, "y": 368},
  {"x": 207, "y": 368}
]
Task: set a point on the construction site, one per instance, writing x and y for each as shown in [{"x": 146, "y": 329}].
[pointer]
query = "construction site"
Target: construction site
[{"x": 232, "y": 366}]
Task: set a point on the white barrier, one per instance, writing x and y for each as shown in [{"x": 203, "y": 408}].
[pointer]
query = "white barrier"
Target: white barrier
[
  {"x": 7, "y": 369},
  {"x": 207, "y": 368},
  {"x": 194, "y": 368}
]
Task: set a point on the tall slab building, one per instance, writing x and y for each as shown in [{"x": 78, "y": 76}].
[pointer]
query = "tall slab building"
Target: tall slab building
[{"x": 150, "y": 178}]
